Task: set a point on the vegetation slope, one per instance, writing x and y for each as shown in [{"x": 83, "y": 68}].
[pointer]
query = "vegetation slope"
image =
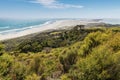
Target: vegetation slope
[{"x": 76, "y": 54}]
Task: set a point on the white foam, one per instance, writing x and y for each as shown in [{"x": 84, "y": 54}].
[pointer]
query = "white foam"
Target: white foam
[
  {"x": 47, "y": 26},
  {"x": 22, "y": 29},
  {"x": 5, "y": 27}
]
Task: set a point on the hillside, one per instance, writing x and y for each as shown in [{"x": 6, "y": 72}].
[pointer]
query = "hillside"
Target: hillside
[{"x": 75, "y": 54}]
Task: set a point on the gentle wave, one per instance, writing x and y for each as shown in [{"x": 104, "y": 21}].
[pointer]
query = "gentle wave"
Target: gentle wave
[
  {"x": 12, "y": 30},
  {"x": 25, "y": 28},
  {"x": 5, "y": 27}
]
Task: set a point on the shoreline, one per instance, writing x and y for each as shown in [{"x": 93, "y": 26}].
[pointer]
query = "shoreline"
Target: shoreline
[{"x": 57, "y": 25}]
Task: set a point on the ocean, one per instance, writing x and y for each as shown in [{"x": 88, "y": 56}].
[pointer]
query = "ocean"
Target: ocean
[
  {"x": 9, "y": 26},
  {"x": 111, "y": 21}
]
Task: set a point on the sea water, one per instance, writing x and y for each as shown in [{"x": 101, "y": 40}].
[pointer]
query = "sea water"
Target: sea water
[
  {"x": 8, "y": 26},
  {"x": 111, "y": 21}
]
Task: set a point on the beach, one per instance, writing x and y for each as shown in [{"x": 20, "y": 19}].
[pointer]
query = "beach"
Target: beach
[{"x": 59, "y": 24}]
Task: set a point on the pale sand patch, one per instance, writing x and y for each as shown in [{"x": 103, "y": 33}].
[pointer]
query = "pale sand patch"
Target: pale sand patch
[{"x": 61, "y": 24}]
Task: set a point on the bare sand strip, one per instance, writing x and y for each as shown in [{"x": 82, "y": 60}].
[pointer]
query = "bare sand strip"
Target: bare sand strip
[{"x": 60, "y": 24}]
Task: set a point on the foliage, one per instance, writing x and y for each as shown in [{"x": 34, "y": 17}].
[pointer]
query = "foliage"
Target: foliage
[
  {"x": 87, "y": 54},
  {"x": 102, "y": 64},
  {"x": 1, "y": 49},
  {"x": 67, "y": 59},
  {"x": 65, "y": 77},
  {"x": 32, "y": 77},
  {"x": 6, "y": 62}
]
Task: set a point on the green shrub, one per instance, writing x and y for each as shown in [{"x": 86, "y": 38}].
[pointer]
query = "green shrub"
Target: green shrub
[
  {"x": 32, "y": 77},
  {"x": 6, "y": 62},
  {"x": 19, "y": 71},
  {"x": 100, "y": 65},
  {"x": 91, "y": 41},
  {"x": 67, "y": 59},
  {"x": 1, "y": 49},
  {"x": 35, "y": 64},
  {"x": 65, "y": 77}
]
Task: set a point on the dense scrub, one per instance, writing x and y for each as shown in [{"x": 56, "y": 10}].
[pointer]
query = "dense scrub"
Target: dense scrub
[
  {"x": 52, "y": 39},
  {"x": 89, "y": 54}
]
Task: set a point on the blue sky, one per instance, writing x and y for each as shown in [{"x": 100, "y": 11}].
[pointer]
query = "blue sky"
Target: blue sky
[{"x": 27, "y": 9}]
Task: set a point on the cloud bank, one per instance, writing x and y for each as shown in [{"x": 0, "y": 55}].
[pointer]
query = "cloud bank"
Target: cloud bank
[{"x": 55, "y": 4}]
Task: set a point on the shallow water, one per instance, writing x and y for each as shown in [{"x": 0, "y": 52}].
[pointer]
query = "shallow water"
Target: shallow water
[{"x": 8, "y": 26}]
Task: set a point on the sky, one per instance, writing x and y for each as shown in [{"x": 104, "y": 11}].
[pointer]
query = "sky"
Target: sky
[{"x": 36, "y": 9}]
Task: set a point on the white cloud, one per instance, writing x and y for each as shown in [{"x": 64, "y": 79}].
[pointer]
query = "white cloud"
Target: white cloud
[{"x": 55, "y": 4}]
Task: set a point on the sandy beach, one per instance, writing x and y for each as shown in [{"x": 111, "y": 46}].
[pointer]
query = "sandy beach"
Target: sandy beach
[{"x": 60, "y": 24}]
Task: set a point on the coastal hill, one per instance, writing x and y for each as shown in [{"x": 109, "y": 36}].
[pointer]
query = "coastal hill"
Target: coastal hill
[{"x": 78, "y": 53}]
